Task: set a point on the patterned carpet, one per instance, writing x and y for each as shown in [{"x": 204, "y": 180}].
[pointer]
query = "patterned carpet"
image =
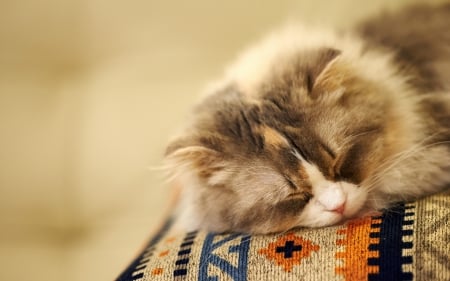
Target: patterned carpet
[{"x": 410, "y": 242}]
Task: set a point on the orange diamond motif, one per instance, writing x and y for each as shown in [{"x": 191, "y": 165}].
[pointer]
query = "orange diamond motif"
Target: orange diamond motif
[
  {"x": 289, "y": 250},
  {"x": 157, "y": 271},
  {"x": 164, "y": 253}
]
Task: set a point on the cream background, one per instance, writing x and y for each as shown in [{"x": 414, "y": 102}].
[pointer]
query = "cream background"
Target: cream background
[{"x": 90, "y": 91}]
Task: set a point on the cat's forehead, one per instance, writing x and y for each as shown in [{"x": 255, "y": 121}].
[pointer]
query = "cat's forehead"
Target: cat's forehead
[{"x": 266, "y": 128}]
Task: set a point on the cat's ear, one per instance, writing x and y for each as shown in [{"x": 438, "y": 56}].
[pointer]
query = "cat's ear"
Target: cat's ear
[
  {"x": 186, "y": 155},
  {"x": 321, "y": 61},
  {"x": 177, "y": 144}
]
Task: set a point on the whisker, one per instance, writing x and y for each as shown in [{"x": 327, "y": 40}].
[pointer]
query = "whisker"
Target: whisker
[{"x": 399, "y": 158}]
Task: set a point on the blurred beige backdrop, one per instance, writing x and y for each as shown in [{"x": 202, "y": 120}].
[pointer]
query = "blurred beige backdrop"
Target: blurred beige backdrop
[{"x": 90, "y": 91}]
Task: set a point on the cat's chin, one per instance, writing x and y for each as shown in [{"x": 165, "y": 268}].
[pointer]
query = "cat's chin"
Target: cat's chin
[{"x": 339, "y": 219}]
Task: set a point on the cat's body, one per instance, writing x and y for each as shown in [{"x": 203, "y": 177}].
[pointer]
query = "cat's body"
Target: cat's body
[{"x": 312, "y": 127}]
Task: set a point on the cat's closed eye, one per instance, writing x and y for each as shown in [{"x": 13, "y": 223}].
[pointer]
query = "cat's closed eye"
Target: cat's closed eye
[
  {"x": 290, "y": 183},
  {"x": 327, "y": 152},
  {"x": 337, "y": 166},
  {"x": 306, "y": 196},
  {"x": 293, "y": 204},
  {"x": 348, "y": 162}
]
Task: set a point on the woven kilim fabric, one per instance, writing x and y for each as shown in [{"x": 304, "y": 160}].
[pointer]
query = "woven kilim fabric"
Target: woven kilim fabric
[{"x": 410, "y": 242}]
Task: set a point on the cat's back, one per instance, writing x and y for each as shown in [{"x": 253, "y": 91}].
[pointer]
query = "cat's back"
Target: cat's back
[{"x": 419, "y": 36}]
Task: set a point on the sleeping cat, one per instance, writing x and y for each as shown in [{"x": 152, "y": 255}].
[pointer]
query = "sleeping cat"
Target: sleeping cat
[{"x": 312, "y": 127}]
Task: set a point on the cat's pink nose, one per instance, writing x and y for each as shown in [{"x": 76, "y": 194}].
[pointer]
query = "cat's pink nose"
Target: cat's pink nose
[
  {"x": 339, "y": 209},
  {"x": 333, "y": 199}
]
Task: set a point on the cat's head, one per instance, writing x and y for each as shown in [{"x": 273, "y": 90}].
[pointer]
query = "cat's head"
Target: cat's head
[{"x": 297, "y": 153}]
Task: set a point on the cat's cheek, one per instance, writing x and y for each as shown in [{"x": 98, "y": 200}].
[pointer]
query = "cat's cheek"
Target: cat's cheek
[{"x": 356, "y": 201}]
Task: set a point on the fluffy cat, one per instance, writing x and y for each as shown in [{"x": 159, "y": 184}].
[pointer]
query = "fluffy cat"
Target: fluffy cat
[{"x": 312, "y": 127}]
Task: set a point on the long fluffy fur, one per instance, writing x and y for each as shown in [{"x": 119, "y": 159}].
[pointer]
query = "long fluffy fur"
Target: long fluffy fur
[{"x": 371, "y": 101}]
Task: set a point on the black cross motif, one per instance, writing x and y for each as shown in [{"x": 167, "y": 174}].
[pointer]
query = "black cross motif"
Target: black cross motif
[{"x": 289, "y": 249}]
